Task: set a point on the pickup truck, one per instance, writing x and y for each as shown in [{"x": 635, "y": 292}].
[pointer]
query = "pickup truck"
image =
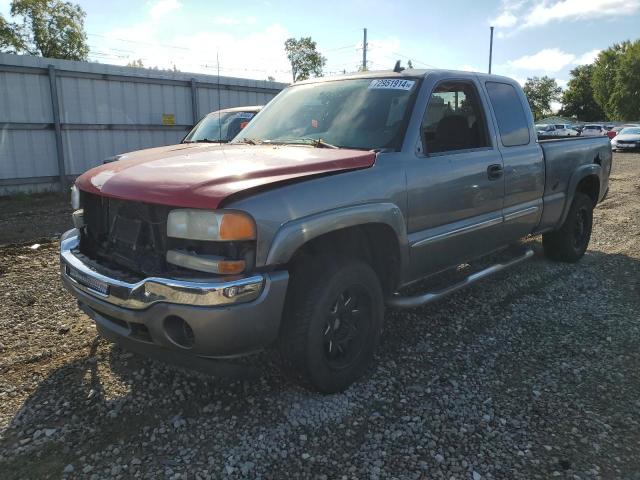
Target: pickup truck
[{"x": 339, "y": 194}]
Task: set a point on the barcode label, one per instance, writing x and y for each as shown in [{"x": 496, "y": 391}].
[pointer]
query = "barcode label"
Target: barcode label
[{"x": 392, "y": 83}]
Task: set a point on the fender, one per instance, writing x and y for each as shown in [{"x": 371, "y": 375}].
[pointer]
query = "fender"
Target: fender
[
  {"x": 592, "y": 169},
  {"x": 292, "y": 235}
]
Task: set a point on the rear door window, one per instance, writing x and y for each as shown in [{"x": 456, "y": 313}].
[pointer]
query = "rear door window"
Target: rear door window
[{"x": 512, "y": 121}]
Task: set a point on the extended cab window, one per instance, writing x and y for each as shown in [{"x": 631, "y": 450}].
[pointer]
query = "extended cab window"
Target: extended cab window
[
  {"x": 512, "y": 121},
  {"x": 453, "y": 119}
]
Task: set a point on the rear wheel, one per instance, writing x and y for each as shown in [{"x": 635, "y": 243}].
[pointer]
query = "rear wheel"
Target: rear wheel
[
  {"x": 570, "y": 242},
  {"x": 332, "y": 322}
]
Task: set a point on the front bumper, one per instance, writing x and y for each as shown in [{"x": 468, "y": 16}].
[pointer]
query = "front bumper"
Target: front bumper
[{"x": 226, "y": 317}]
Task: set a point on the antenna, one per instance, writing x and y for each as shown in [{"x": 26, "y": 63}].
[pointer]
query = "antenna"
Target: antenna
[
  {"x": 219, "y": 105},
  {"x": 490, "y": 49}
]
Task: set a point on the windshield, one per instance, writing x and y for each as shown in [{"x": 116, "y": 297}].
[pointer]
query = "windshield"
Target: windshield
[
  {"x": 630, "y": 130},
  {"x": 360, "y": 113},
  {"x": 592, "y": 127},
  {"x": 219, "y": 127}
]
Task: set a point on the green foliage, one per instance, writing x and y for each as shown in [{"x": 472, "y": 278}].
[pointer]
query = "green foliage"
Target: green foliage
[
  {"x": 616, "y": 81},
  {"x": 50, "y": 28},
  {"x": 305, "y": 59},
  {"x": 578, "y": 100},
  {"x": 605, "y": 69},
  {"x": 137, "y": 63},
  {"x": 541, "y": 92},
  {"x": 11, "y": 37}
]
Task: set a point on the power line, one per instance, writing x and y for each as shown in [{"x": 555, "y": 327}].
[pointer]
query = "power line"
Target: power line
[{"x": 138, "y": 42}]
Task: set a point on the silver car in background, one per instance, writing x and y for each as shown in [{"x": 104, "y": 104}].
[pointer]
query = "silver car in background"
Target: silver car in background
[
  {"x": 627, "y": 139},
  {"x": 594, "y": 131}
]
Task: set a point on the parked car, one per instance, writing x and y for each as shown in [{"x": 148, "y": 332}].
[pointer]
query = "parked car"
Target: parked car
[
  {"x": 627, "y": 139},
  {"x": 565, "y": 130},
  {"x": 593, "y": 131},
  {"x": 216, "y": 127},
  {"x": 339, "y": 194},
  {"x": 615, "y": 130},
  {"x": 545, "y": 130}
]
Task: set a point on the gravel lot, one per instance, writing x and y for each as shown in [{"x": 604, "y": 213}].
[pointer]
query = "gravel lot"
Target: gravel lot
[{"x": 534, "y": 373}]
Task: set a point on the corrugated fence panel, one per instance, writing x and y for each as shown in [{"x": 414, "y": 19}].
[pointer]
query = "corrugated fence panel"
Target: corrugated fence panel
[
  {"x": 24, "y": 98},
  {"x": 104, "y": 110}
]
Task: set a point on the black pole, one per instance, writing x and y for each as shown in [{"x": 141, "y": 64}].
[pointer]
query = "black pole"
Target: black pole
[{"x": 490, "y": 49}]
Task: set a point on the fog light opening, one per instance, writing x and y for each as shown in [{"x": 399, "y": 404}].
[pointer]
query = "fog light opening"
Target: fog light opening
[{"x": 179, "y": 331}]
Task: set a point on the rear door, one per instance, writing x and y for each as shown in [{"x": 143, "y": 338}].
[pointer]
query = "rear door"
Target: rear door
[
  {"x": 524, "y": 169},
  {"x": 455, "y": 180}
]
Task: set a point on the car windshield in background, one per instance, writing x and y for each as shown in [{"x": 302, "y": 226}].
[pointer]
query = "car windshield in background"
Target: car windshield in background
[
  {"x": 219, "y": 127},
  {"x": 361, "y": 113},
  {"x": 593, "y": 127},
  {"x": 630, "y": 131}
]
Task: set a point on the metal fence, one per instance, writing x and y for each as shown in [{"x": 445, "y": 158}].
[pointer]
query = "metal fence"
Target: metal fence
[{"x": 58, "y": 118}]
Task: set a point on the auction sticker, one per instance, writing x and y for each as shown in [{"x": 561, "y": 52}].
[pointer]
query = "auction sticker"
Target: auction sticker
[{"x": 392, "y": 83}]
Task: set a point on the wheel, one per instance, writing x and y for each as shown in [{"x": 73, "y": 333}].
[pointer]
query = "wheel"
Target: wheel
[
  {"x": 569, "y": 243},
  {"x": 332, "y": 322}
]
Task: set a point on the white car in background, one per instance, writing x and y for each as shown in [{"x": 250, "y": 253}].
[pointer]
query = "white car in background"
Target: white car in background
[
  {"x": 594, "y": 131},
  {"x": 545, "y": 129},
  {"x": 627, "y": 139},
  {"x": 565, "y": 130}
]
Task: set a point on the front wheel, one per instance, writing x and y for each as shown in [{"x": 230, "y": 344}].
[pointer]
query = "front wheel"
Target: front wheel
[
  {"x": 332, "y": 322},
  {"x": 570, "y": 242}
]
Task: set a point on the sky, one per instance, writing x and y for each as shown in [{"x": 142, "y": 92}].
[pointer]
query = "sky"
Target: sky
[{"x": 532, "y": 37}]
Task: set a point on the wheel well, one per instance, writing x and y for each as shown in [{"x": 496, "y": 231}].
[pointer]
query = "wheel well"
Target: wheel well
[
  {"x": 590, "y": 186},
  {"x": 375, "y": 243}
]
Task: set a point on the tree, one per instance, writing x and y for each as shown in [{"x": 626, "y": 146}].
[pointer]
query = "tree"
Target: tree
[
  {"x": 136, "y": 62},
  {"x": 50, "y": 28},
  {"x": 625, "y": 97},
  {"x": 616, "y": 81},
  {"x": 409, "y": 65},
  {"x": 11, "y": 37},
  {"x": 304, "y": 58},
  {"x": 541, "y": 92},
  {"x": 604, "y": 74},
  {"x": 578, "y": 100}
]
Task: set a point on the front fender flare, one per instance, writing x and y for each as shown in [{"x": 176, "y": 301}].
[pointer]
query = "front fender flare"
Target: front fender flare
[{"x": 292, "y": 235}]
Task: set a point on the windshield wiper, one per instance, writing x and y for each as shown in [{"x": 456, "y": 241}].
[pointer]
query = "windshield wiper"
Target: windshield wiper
[
  {"x": 316, "y": 142},
  {"x": 251, "y": 141},
  {"x": 205, "y": 140}
]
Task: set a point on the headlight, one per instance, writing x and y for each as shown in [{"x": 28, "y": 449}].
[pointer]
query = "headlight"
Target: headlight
[
  {"x": 210, "y": 225},
  {"x": 75, "y": 197}
]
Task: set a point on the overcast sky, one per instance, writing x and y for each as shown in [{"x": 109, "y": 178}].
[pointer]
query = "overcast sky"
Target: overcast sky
[{"x": 532, "y": 37}]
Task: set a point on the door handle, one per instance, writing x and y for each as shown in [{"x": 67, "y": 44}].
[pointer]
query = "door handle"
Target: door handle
[{"x": 494, "y": 171}]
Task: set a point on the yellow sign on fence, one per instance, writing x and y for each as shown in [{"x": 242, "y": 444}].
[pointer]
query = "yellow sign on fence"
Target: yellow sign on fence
[{"x": 168, "y": 119}]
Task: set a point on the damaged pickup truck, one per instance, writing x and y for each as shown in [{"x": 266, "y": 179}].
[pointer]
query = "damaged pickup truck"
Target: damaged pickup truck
[{"x": 338, "y": 194}]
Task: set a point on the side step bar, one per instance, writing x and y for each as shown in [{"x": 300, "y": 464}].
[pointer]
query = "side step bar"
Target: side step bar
[{"x": 398, "y": 301}]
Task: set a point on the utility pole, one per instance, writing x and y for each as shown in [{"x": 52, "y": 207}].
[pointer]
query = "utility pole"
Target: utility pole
[
  {"x": 490, "y": 49},
  {"x": 364, "y": 52}
]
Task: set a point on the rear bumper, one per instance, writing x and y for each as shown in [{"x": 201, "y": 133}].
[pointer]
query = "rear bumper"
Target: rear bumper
[{"x": 143, "y": 312}]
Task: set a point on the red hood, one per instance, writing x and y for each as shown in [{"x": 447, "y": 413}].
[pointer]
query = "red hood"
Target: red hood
[{"x": 202, "y": 176}]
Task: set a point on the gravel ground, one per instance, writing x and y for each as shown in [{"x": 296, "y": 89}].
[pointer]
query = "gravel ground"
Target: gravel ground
[{"x": 534, "y": 373}]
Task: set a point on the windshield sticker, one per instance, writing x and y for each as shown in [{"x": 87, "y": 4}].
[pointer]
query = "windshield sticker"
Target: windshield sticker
[
  {"x": 245, "y": 115},
  {"x": 395, "y": 84}
]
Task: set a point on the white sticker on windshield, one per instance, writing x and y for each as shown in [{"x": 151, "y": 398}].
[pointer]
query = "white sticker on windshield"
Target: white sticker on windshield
[
  {"x": 245, "y": 115},
  {"x": 392, "y": 83}
]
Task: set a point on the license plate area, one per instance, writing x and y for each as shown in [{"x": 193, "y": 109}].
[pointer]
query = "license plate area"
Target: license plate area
[{"x": 85, "y": 280}]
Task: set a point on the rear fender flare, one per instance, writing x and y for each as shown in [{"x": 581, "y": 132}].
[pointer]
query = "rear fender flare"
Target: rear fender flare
[{"x": 581, "y": 173}]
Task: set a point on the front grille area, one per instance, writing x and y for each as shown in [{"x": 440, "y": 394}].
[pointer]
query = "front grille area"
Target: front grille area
[{"x": 132, "y": 236}]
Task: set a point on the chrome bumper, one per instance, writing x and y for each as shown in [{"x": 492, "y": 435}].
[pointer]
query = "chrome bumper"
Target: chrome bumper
[{"x": 143, "y": 294}]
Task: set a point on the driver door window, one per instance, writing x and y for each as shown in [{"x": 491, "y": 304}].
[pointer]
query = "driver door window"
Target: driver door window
[{"x": 453, "y": 119}]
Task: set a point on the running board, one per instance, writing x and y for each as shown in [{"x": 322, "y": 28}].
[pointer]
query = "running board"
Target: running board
[{"x": 398, "y": 301}]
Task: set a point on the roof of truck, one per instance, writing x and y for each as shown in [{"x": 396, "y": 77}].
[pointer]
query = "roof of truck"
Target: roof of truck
[{"x": 407, "y": 73}]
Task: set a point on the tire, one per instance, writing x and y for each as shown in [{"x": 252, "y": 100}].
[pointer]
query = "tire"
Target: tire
[
  {"x": 332, "y": 322},
  {"x": 570, "y": 242}
]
